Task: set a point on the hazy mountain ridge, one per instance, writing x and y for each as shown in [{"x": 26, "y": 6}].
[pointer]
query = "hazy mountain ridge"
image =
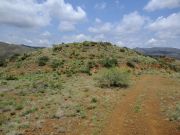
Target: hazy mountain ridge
[
  {"x": 7, "y": 50},
  {"x": 160, "y": 51}
]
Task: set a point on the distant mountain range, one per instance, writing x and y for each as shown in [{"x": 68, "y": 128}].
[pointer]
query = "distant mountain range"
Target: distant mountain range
[
  {"x": 7, "y": 50},
  {"x": 160, "y": 51}
]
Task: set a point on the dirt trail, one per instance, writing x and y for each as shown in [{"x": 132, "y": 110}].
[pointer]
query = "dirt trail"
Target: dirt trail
[{"x": 139, "y": 112}]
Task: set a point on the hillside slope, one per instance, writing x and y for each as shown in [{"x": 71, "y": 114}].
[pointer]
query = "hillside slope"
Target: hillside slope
[{"x": 74, "y": 88}]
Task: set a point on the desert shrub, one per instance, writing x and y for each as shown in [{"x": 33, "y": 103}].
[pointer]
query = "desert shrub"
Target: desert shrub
[
  {"x": 85, "y": 69},
  {"x": 57, "y": 48},
  {"x": 175, "y": 113},
  {"x": 56, "y": 63},
  {"x": 174, "y": 67},
  {"x": 56, "y": 85},
  {"x": 32, "y": 110},
  {"x": 122, "y": 50},
  {"x": 11, "y": 77},
  {"x": 113, "y": 77},
  {"x": 109, "y": 62},
  {"x": 87, "y": 43},
  {"x": 91, "y": 64},
  {"x": 94, "y": 100},
  {"x": 24, "y": 56},
  {"x": 43, "y": 60},
  {"x": 2, "y": 63},
  {"x": 131, "y": 64},
  {"x": 14, "y": 57}
]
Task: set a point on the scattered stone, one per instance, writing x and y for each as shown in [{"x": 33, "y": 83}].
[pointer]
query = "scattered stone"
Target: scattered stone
[
  {"x": 59, "y": 114},
  {"x": 61, "y": 130}
]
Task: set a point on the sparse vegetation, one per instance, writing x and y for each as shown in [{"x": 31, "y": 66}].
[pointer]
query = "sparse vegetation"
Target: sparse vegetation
[
  {"x": 2, "y": 63},
  {"x": 11, "y": 77},
  {"x": 113, "y": 77},
  {"x": 57, "y": 63},
  {"x": 43, "y": 60},
  {"x": 109, "y": 62},
  {"x": 174, "y": 114},
  {"x": 80, "y": 82},
  {"x": 131, "y": 64}
]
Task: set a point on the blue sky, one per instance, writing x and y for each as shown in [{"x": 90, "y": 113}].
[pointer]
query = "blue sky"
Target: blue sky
[{"x": 140, "y": 23}]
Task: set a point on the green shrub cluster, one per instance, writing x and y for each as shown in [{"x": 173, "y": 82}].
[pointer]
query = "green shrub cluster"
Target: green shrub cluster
[
  {"x": 2, "y": 63},
  {"x": 175, "y": 114},
  {"x": 57, "y": 48},
  {"x": 42, "y": 61},
  {"x": 85, "y": 69},
  {"x": 57, "y": 63},
  {"x": 131, "y": 64},
  {"x": 14, "y": 57},
  {"x": 24, "y": 56},
  {"x": 113, "y": 77},
  {"x": 109, "y": 62},
  {"x": 11, "y": 77}
]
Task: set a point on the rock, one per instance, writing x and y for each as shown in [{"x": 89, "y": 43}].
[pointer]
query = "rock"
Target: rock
[
  {"x": 59, "y": 114},
  {"x": 61, "y": 130}
]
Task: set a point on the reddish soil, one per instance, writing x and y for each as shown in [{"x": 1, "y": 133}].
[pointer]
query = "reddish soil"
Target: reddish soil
[
  {"x": 149, "y": 120},
  {"x": 125, "y": 119}
]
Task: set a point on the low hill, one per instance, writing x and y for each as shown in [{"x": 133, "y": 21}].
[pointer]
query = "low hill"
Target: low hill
[
  {"x": 75, "y": 58},
  {"x": 7, "y": 50},
  {"x": 79, "y": 88},
  {"x": 160, "y": 51}
]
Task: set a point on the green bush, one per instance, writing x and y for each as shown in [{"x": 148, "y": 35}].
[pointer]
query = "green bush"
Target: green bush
[
  {"x": 2, "y": 63},
  {"x": 14, "y": 57},
  {"x": 11, "y": 77},
  {"x": 175, "y": 114},
  {"x": 57, "y": 48},
  {"x": 131, "y": 64},
  {"x": 43, "y": 60},
  {"x": 113, "y": 77},
  {"x": 56, "y": 63},
  {"x": 109, "y": 62},
  {"x": 24, "y": 56},
  {"x": 85, "y": 69}
]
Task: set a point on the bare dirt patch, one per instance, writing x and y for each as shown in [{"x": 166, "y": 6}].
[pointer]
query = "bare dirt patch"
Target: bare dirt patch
[{"x": 141, "y": 117}]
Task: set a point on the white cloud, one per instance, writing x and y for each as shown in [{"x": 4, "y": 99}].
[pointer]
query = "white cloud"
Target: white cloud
[
  {"x": 131, "y": 23},
  {"x": 162, "y": 4},
  {"x": 30, "y": 13},
  {"x": 168, "y": 27},
  {"x": 66, "y": 26},
  {"x": 64, "y": 11},
  {"x": 76, "y": 38},
  {"x": 101, "y": 27},
  {"x": 46, "y": 34},
  {"x": 22, "y": 13},
  {"x": 152, "y": 41},
  {"x": 101, "y": 6},
  {"x": 127, "y": 31},
  {"x": 97, "y": 20},
  {"x": 44, "y": 42},
  {"x": 28, "y": 41}
]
